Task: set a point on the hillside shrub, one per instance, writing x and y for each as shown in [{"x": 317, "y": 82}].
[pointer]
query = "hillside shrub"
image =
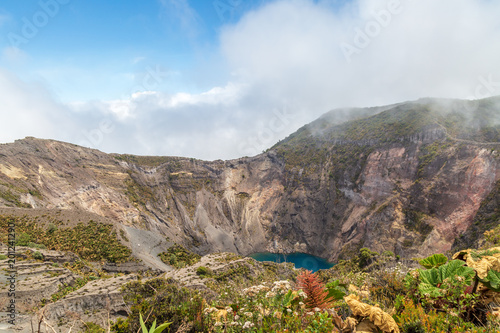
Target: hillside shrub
[
  {"x": 388, "y": 253},
  {"x": 36, "y": 246},
  {"x": 366, "y": 257},
  {"x": 52, "y": 228},
  {"x": 93, "y": 328},
  {"x": 204, "y": 271},
  {"x": 37, "y": 255},
  {"x": 23, "y": 239},
  {"x": 178, "y": 257}
]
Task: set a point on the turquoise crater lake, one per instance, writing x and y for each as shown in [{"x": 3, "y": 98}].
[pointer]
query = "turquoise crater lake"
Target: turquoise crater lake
[{"x": 300, "y": 260}]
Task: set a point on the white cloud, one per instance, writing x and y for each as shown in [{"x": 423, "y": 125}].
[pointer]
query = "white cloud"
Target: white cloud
[
  {"x": 432, "y": 48},
  {"x": 287, "y": 68},
  {"x": 27, "y": 110}
]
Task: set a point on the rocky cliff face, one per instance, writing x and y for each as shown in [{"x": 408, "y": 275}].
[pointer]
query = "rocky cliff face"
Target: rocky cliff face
[{"x": 409, "y": 179}]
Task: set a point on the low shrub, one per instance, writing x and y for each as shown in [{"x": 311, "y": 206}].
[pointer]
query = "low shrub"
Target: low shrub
[
  {"x": 204, "y": 271},
  {"x": 179, "y": 257},
  {"x": 23, "y": 239},
  {"x": 164, "y": 301},
  {"x": 37, "y": 255},
  {"x": 93, "y": 328}
]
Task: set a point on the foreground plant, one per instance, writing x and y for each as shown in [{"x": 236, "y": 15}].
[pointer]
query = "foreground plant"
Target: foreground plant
[
  {"x": 379, "y": 318},
  {"x": 153, "y": 328},
  {"x": 432, "y": 280},
  {"x": 317, "y": 296}
]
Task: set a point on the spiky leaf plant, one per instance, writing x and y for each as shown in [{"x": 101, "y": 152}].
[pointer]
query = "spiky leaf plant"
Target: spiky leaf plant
[
  {"x": 153, "y": 328},
  {"x": 317, "y": 297}
]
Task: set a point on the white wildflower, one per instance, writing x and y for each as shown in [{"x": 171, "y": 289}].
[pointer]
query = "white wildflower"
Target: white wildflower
[
  {"x": 209, "y": 310},
  {"x": 281, "y": 286},
  {"x": 248, "y": 325},
  {"x": 254, "y": 290},
  {"x": 270, "y": 294}
]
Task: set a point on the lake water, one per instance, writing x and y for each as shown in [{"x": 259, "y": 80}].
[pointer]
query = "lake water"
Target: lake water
[{"x": 300, "y": 260}]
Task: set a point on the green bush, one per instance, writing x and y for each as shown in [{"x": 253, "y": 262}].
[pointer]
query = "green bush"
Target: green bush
[
  {"x": 413, "y": 327},
  {"x": 366, "y": 257},
  {"x": 93, "y": 328},
  {"x": 37, "y": 255},
  {"x": 179, "y": 257},
  {"x": 3, "y": 257},
  {"x": 388, "y": 254},
  {"x": 23, "y": 239},
  {"x": 52, "y": 228},
  {"x": 204, "y": 271},
  {"x": 36, "y": 246}
]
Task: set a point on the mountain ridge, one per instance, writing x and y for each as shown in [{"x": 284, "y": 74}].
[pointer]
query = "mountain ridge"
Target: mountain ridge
[{"x": 408, "y": 179}]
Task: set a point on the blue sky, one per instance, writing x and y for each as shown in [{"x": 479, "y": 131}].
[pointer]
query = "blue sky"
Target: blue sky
[
  {"x": 84, "y": 42},
  {"x": 229, "y": 78}
]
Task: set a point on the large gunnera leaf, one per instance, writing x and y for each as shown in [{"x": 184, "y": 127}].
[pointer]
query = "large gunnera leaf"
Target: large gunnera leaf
[
  {"x": 492, "y": 280},
  {"x": 336, "y": 290},
  {"x": 432, "y": 279},
  {"x": 434, "y": 261},
  {"x": 482, "y": 261}
]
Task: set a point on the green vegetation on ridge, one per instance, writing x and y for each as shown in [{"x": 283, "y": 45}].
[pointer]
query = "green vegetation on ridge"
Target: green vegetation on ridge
[
  {"x": 179, "y": 257},
  {"x": 91, "y": 241}
]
